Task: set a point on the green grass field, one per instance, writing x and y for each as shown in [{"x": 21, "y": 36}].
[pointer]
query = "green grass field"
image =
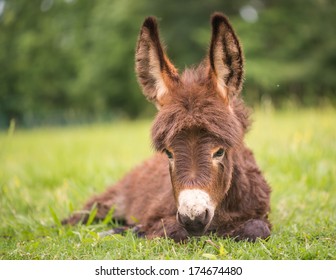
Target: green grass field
[{"x": 47, "y": 173}]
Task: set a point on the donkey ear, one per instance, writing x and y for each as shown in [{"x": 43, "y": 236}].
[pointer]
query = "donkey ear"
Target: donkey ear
[
  {"x": 155, "y": 73},
  {"x": 226, "y": 58}
]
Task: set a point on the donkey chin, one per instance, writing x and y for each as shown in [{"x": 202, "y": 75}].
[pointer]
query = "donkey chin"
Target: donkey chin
[{"x": 195, "y": 211}]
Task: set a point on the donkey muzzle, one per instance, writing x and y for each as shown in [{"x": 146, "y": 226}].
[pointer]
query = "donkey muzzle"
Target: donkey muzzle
[
  {"x": 196, "y": 226},
  {"x": 195, "y": 211}
]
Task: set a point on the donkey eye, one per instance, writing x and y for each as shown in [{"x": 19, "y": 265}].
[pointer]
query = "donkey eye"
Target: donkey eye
[
  {"x": 218, "y": 153},
  {"x": 168, "y": 153}
]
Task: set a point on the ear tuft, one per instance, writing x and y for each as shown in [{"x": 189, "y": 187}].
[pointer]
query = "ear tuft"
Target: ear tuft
[
  {"x": 226, "y": 58},
  {"x": 156, "y": 74},
  {"x": 151, "y": 24},
  {"x": 217, "y": 19}
]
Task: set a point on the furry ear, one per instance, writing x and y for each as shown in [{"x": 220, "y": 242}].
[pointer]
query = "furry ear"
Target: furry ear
[
  {"x": 155, "y": 73},
  {"x": 226, "y": 58}
]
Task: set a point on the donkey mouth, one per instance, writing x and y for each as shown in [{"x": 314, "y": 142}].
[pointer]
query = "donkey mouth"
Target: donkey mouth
[
  {"x": 195, "y": 232},
  {"x": 196, "y": 226}
]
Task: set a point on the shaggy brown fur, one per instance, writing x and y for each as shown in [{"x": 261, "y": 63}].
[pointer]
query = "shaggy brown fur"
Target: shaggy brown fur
[{"x": 200, "y": 126}]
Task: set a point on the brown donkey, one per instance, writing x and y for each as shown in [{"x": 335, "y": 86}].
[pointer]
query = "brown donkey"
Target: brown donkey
[{"x": 203, "y": 178}]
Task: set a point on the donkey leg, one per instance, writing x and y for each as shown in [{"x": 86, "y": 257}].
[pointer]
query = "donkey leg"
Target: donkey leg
[
  {"x": 103, "y": 202},
  {"x": 166, "y": 227},
  {"x": 251, "y": 230}
]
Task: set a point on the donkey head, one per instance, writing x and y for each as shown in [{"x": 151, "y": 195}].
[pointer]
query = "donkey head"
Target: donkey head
[{"x": 197, "y": 125}]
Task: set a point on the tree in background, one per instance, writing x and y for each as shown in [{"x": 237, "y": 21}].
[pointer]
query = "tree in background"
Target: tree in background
[{"x": 68, "y": 60}]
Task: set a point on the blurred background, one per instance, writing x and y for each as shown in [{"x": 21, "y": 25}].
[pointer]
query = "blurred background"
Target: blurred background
[{"x": 72, "y": 61}]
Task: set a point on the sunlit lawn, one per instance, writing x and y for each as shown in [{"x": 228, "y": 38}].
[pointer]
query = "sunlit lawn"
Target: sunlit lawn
[{"x": 47, "y": 173}]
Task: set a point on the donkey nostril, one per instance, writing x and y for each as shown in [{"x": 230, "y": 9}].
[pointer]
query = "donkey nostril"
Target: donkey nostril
[
  {"x": 203, "y": 218},
  {"x": 206, "y": 216},
  {"x": 183, "y": 219},
  {"x": 178, "y": 216}
]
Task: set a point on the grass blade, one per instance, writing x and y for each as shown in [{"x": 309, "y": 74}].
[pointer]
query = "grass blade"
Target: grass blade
[
  {"x": 92, "y": 215},
  {"x": 54, "y": 216}
]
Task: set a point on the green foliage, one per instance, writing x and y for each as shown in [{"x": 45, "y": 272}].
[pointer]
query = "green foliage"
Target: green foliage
[
  {"x": 68, "y": 60},
  {"x": 45, "y": 174},
  {"x": 290, "y": 51}
]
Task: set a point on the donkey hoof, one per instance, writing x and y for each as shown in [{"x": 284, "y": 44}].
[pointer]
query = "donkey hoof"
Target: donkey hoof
[
  {"x": 118, "y": 230},
  {"x": 253, "y": 229},
  {"x": 138, "y": 231}
]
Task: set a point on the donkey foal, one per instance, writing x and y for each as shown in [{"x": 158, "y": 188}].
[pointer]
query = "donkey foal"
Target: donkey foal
[{"x": 203, "y": 178}]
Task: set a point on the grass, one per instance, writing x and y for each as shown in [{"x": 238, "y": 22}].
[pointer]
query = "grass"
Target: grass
[{"x": 46, "y": 173}]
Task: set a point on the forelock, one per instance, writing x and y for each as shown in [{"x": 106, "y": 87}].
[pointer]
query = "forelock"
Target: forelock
[{"x": 196, "y": 108}]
